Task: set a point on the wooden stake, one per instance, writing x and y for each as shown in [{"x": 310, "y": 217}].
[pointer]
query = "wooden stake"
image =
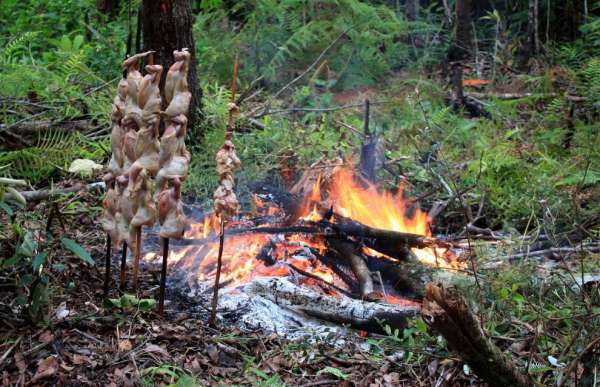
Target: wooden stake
[
  {"x": 136, "y": 256},
  {"x": 229, "y": 131},
  {"x": 215, "y": 299},
  {"x": 163, "y": 275},
  {"x": 107, "y": 265},
  {"x": 123, "y": 267}
]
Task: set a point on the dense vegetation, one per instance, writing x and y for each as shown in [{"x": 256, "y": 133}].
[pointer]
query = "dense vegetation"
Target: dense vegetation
[{"x": 530, "y": 168}]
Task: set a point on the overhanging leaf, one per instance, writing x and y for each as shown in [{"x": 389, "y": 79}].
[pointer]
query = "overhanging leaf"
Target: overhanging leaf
[
  {"x": 39, "y": 260},
  {"x": 76, "y": 249}
]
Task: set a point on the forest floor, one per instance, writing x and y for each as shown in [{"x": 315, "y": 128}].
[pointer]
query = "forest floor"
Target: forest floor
[{"x": 83, "y": 341}]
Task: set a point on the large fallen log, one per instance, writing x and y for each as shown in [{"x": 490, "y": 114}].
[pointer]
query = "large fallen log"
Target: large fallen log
[
  {"x": 368, "y": 316},
  {"x": 446, "y": 312}
]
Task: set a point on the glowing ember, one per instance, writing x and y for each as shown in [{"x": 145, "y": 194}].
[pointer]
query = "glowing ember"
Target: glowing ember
[{"x": 243, "y": 255}]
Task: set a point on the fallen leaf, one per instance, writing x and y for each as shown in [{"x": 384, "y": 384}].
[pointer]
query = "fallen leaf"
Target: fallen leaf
[
  {"x": 125, "y": 345},
  {"x": 20, "y": 362},
  {"x": 153, "y": 348},
  {"x": 46, "y": 337},
  {"x": 392, "y": 378},
  {"x": 213, "y": 353},
  {"x": 433, "y": 367},
  {"x": 46, "y": 369},
  {"x": 62, "y": 312},
  {"x": 80, "y": 359}
]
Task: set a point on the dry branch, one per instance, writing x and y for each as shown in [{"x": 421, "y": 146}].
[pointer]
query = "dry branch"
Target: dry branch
[
  {"x": 446, "y": 312},
  {"x": 36, "y": 196}
]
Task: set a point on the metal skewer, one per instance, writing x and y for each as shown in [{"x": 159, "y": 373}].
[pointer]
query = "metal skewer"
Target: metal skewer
[
  {"x": 215, "y": 298},
  {"x": 136, "y": 256},
  {"x": 163, "y": 275},
  {"x": 107, "y": 265},
  {"x": 123, "y": 267}
]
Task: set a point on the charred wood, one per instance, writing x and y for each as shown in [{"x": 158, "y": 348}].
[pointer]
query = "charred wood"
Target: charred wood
[
  {"x": 368, "y": 316},
  {"x": 348, "y": 251}
]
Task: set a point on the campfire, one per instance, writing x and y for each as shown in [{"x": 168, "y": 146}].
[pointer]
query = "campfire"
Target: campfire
[{"x": 333, "y": 241}]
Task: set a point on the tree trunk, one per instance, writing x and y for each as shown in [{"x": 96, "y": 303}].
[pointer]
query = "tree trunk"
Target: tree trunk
[
  {"x": 460, "y": 50},
  {"x": 463, "y": 41},
  {"x": 532, "y": 28},
  {"x": 108, "y": 7},
  {"x": 411, "y": 9},
  {"x": 166, "y": 27}
]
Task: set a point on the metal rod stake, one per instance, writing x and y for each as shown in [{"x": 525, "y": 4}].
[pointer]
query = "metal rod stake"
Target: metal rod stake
[
  {"x": 123, "y": 267},
  {"x": 163, "y": 276}
]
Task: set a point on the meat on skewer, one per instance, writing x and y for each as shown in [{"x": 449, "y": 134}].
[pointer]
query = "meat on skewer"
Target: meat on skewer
[
  {"x": 110, "y": 208},
  {"x": 174, "y": 156},
  {"x": 170, "y": 211},
  {"x": 143, "y": 208},
  {"x": 225, "y": 201},
  {"x": 177, "y": 75},
  {"x": 115, "y": 166}
]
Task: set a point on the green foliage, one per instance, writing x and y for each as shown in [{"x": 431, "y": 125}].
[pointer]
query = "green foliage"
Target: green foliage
[
  {"x": 176, "y": 376},
  {"x": 279, "y": 36},
  {"x": 129, "y": 302},
  {"x": 76, "y": 249}
]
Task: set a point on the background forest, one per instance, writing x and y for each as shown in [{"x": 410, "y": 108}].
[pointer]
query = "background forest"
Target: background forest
[{"x": 486, "y": 113}]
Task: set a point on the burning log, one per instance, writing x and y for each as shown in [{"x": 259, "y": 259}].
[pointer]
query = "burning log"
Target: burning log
[
  {"x": 348, "y": 251},
  {"x": 446, "y": 312},
  {"x": 368, "y": 316},
  {"x": 376, "y": 238}
]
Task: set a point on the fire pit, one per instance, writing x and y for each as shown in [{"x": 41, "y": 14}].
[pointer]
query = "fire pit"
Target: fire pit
[{"x": 333, "y": 248}]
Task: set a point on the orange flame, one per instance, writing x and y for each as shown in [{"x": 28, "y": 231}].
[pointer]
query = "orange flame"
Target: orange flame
[{"x": 349, "y": 197}]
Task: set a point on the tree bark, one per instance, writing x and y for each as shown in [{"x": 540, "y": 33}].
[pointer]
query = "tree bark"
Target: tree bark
[
  {"x": 532, "y": 28},
  {"x": 463, "y": 41},
  {"x": 166, "y": 27},
  {"x": 460, "y": 50}
]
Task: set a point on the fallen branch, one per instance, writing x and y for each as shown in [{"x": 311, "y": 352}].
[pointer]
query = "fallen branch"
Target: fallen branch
[
  {"x": 509, "y": 96},
  {"x": 589, "y": 248},
  {"x": 446, "y": 312},
  {"x": 321, "y": 280},
  {"x": 33, "y": 127},
  {"x": 37, "y": 196}
]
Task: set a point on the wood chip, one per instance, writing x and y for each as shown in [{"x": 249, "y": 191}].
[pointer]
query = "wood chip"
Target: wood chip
[{"x": 125, "y": 345}]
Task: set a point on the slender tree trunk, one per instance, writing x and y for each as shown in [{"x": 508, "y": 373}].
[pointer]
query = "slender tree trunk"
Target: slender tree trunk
[
  {"x": 447, "y": 14},
  {"x": 166, "y": 27},
  {"x": 108, "y": 7},
  {"x": 460, "y": 50},
  {"x": 532, "y": 28},
  {"x": 412, "y": 7}
]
